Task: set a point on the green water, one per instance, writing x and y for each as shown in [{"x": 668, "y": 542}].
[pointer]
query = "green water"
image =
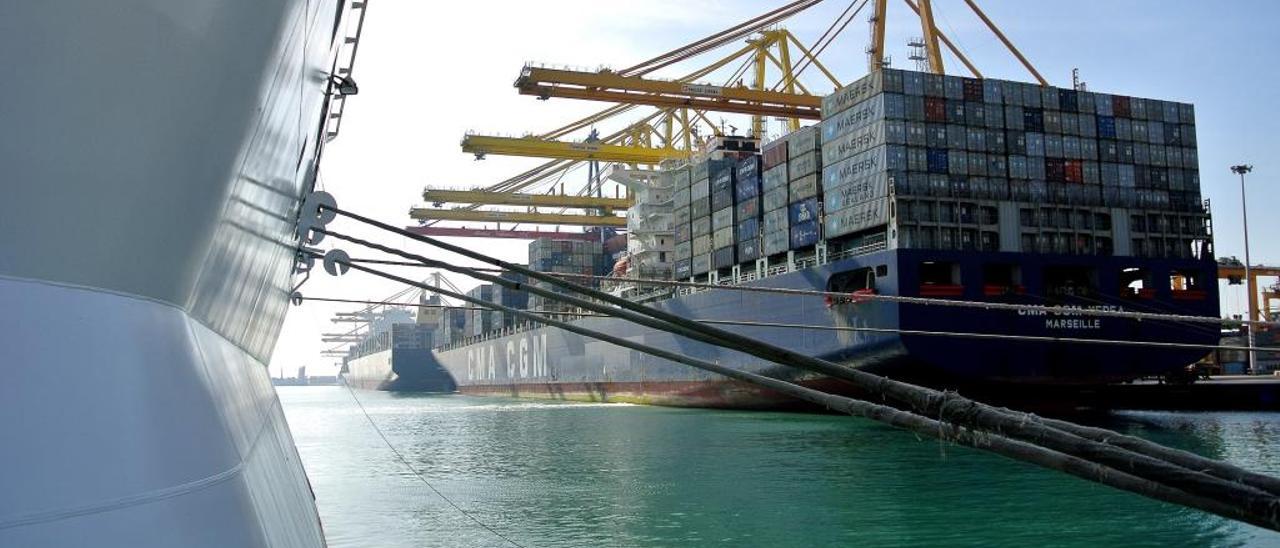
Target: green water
[{"x": 552, "y": 474}]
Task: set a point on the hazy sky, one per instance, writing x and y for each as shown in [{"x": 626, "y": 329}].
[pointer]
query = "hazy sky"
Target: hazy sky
[{"x": 431, "y": 71}]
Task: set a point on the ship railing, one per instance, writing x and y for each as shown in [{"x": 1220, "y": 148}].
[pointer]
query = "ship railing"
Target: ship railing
[{"x": 863, "y": 249}]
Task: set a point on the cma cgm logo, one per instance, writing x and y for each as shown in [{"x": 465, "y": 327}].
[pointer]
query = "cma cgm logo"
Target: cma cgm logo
[{"x": 521, "y": 357}]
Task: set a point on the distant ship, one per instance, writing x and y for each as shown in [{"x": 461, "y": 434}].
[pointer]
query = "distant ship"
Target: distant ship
[
  {"x": 395, "y": 355},
  {"x": 155, "y": 155},
  {"x": 914, "y": 185}
]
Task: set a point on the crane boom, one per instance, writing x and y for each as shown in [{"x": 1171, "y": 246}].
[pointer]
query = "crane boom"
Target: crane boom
[
  {"x": 516, "y": 217},
  {"x": 439, "y": 196},
  {"x": 481, "y": 145},
  {"x": 503, "y": 233},
  {"x": 611, "y": 86}
]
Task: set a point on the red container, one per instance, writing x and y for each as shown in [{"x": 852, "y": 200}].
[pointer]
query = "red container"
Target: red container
[
  {"x": 1120, "y": 106},
  {"x": 1074, "y": 171},
  {"x": 775, "y": 154},
  {"x": 935, "y": 109}
]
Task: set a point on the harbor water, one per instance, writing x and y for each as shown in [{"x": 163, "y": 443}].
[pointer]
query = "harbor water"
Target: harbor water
[{"x": 551, "y": 474}]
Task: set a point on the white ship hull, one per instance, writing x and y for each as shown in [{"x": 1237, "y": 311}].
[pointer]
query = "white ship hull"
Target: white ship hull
[{"x": 154, "y": 155}]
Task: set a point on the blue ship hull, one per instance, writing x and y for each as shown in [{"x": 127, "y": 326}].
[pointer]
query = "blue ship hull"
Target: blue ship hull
[{"x": 907, "y": 341}]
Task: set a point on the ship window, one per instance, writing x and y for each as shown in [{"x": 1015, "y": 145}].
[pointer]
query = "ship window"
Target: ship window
[
  {"x": 1186, "y": 280},
  {"x": 1069, "y": 281},
  {"x": 1134, "y": 282},
  {"x": 882, "y": 271},
  {"x": 853, "y": 280},
  {"x": 939, "y": 273}
]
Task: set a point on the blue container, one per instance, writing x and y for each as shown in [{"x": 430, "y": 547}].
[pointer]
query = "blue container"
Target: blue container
[
  {"x": 723, "y": 257},
  {"x": 1033, "y": 119},
  {"x": 937, "y": 160},
  {"x": 748, "y": 230},
  {"x": 717, "y": 167},
  {"x": 749, "y": 250},
  {"x": 747, "y": 209},
  {"x": 721, "y": 199},
  {"x": 683, "y": 232},
  {"x": 683, "y": 269},
  {"x": 748, "y": 168},
  {"x": 746, "y": 188},
  {"x": 722, "y": 182},
  {"x": 804, "y": 211},
  {"x": 1068, "y": 100},
  {"x": 1106, "y": 127},
  {"x": 804, "y": 235}
]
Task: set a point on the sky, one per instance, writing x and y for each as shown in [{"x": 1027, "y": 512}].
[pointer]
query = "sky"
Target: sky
[{"x": 431, "y": 71}]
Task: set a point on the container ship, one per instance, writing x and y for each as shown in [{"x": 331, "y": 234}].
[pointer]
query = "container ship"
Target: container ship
[
  {"x": 916, "y": 185},
  {"x": 156, "y": 156},
  {"x": 395, "y": 355}
]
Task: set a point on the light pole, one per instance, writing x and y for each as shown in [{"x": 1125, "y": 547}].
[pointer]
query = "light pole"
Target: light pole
[{"x": 1242, "y": 169}]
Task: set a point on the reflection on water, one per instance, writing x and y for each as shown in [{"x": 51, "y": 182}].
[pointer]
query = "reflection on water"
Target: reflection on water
[{"x": 552, "y": 474}]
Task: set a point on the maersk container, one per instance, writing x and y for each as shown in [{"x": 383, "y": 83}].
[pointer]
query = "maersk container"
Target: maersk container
[
  {"x": 723, "y": 258},
  {"x": 773, "y": 243},
  {"x": 804, "y": 164},
  {"x": 774, "y": 199},
  {"x": 722, "y": 218},
  {"x": 748, "y": 229},
  {"x": 854, "y": 93},
  {"x": 803, "y": 211},
  {"x": 893, "y": 132},
  {"x": 888, "y": 106},
  {"x": 804, "y": 187},
  {"x": 804, "y": 235},
  {"x": 865, "y": 189},
  {"x": 853, "y": 219},
  {"x": 775, "y": 177},
  {"x": 747, "y": 209},
  {"x": 776, "y": 221},
  {"x": 883, "y": 158}
]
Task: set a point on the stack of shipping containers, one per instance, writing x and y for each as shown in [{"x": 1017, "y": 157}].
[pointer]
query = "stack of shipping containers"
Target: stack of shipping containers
[
  {"x": 775, "y": 229},
  {"x": 1007, "y": 166},
  {"x": 682, "y": 264},
  {"x": 700, "y": 174},
  {"x": 746, "y": 209},
  {"x": 479, "y": 320},
  {"x": 723, "y": 248},
  {"x": 452, "y": 328},
  {"x": 804, "y": 163},
  {"x": 509, "y": 298},
  {"x": 577, "y": 257}
]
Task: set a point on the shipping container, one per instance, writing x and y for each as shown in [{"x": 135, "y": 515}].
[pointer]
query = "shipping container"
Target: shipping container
[
  {"x": 722, "y": 237},
  {"x": 774, "y": 199},
  {"x": 724, "y": 258},
  {"x": 802, "y": 141},
  {"x": 748, "y": 229},
  {"x": 773, "y": 243},
  {"x": 776, "y": 220},
  {"x": 804, "y": 187},
  {"x": 857, "y": 218},
  {"x": 701, "y": 264},
  {"x": 804, "y": 235},
  {"x": 803, "y": 211},
  {"x": 747, "y": 209},
  {"x": 775, "y": 177}
]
